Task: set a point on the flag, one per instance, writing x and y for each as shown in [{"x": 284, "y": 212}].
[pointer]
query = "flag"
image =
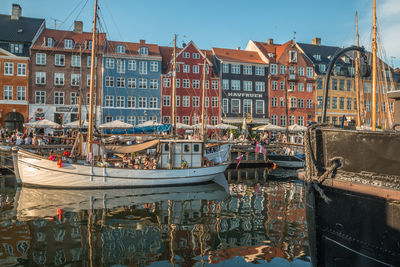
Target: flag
[
  {"x": 259, "y": 149},
  {"x": 238, "y": 160}
]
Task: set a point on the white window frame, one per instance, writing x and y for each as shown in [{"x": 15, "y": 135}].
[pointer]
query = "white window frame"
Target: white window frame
[
  {"x": 8, "y": 68},
  {"x": 59, "y": 60},
  {"x": 59, "y": 78},
  {"x": 21, "y": 69},
  {"x": 40, "y": 59}
]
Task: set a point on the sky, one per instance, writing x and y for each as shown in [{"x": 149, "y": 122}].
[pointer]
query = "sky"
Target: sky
[{"x": 227, "y": 23}]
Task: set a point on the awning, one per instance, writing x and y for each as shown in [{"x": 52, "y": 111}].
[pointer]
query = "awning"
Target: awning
[
  {"x": 131, "y": 148},
  {"x": 238, "y": 120}
]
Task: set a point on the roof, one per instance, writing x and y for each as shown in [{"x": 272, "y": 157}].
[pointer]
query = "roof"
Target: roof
[
  {"x": 233, "y": 55},
  {"x": 22, "y": 30},
  {"x": 132, "y": 49},
  {"x": 275, "y": 49},
  {"x": 326, "y": 52},
  {"x": 59, "y": 36}
]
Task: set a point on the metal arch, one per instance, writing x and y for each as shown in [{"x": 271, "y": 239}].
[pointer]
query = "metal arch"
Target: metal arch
[{"x": 328, "y": 73}]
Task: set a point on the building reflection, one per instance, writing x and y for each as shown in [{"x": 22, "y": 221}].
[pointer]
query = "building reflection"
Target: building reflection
[{"x": 255, "y": 221}]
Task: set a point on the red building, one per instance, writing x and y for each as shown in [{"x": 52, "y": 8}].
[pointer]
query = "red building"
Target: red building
[
  {"x": 291, "y": 70},
  {"x": 189, "y": 84}
]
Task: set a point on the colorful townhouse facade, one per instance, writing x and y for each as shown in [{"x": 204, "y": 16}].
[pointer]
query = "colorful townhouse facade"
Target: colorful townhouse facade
[
  {"x": 189, "y": 84},
  {"x": 16, "y": 36},
  {"x": 291, "y": 82},
  {"x": 244, "y": 86},
  {"x": 131, "y": 82},
  {"x": 60, "y": 75}
]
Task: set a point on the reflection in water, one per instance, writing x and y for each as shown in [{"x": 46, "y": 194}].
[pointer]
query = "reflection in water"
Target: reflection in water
[{"x": 181, "y": 226}]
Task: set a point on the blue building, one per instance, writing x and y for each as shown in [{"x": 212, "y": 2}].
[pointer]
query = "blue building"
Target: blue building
[{"x": 131, "y": 82}]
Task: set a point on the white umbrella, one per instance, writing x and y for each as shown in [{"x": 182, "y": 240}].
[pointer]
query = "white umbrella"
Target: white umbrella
[
  {"x": 297, "y": 128},
  {"x": 148, "y": 123},
  {"x": 183, "y": 126},
  {"x": 269, "y": 127},
  {"x": 199, "y": 125},
  {"x": 223, "y": 126},
  {"x": 42, "y": 124},
  {"x": 115, "y": 125},
  {"x": 75, "y": 124}
]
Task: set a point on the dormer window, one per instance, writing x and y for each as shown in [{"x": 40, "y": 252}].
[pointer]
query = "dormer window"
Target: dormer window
[
  {"x": 88, "y": 45},
  {"x": 68, "y": 44},
  {"x": 49, "y": 42},
  {"x": 186, "y": 55},
  {"x": 292, "y": 56},
  {"x": 322, "y": 67},
  {"x": 270, "y": 55},
  {"x": 121, "y": 49},
  {"x": 144, "y": 51},
  {"x": 347, "y": 60},
  {"x": 317, "y": 56}
]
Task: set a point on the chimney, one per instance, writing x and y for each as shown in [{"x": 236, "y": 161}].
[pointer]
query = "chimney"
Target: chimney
[
  {"x": 238, "y": 48},
  {"x": 316, "y": 41},
  {"x": 16, "y": 12},
  {"x": 270, "y": 41},
  {"x": 78, "y": 26},
  {"x": 142, "y": 42}
]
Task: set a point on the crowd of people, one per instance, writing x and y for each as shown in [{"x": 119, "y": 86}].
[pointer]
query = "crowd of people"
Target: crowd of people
[
  {"x": 139, "y": 162},
  {"x": 30, "y": 137}
]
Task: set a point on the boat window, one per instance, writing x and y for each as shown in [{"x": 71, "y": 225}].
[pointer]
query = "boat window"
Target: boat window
[
  {"x": 166, "y": 147},
  {"x": 186, "y": 148},
  {"x": 196, "y": 147}
]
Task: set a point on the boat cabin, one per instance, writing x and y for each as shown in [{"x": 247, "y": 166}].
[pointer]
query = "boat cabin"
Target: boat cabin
[{"x": 181, "y": 153}]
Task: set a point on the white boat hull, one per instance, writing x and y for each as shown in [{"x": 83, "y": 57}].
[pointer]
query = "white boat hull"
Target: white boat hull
[{"x": 37, "y": 171}]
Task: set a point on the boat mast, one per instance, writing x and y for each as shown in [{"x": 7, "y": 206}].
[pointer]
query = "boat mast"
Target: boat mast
[
  {"x": 173, "y": 94},
  {"x": 357, "y": 77},
  {"x": 92, "y": 81},
  {"x": 374, "y": 61},
  {"x": 203, "y": 124}
]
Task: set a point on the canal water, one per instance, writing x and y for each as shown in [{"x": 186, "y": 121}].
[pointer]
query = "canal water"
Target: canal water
[{"x": 248, "y": 217}]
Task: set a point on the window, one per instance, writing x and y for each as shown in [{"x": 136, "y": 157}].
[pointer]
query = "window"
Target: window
[
  {"x": 260, "y": 71},
  {"x": 214, "y": 102},
  {"x": 282, "y": 102},
  {"x": 328, "y": 102},
  {"x": 89, "y": 61},
  {"x": 341, "y": 102},
  {"x": 247, "y": 70},
  {"x": 109, "y": 101},
  {"x": 130, "y": 120},
  {"x": 75, "y": 61},
  {"x": 349, "y": 85},
  {"x": 282, "y": 120},
  {"x": 196, "y": 55},
  {"x": 273, "y": 69},
  {"x": 131, "y": 83},
  {"x": 185, "y": 101},
  {"x": 283, "y": 86},
  {"x": 186, "y": 83},
  {"x": 131, "y": 64},
  {"x": 153, "y": 84},
  {"x": 177, "y": 101},
  {"x": 186, "y": 68},
  {"x": 309, "y": 87},
  {"x": 349, "y": 100},
  {"x": 121, "y": 49},
  {"x": 131, "y": 102},
  {"x": 178, "y": 83},
  {"x": 16, "y": 48},
  {"x": 293, "y": 102},
  {"x": 8, "y": 92},
  {"x": 225, "y": 84},
  {"x": 185, "y": 119},
  {"x": 341, "y": 85},
  {"x": 235, "y": 69},
  {"x": 225, "y": 107},
  {"x": 108, "y": 119},
  {"x": 144, "y": 51},
  {"x": 214, "y": 120},
  {"x": 110, "y": 63},
  {"x": 186, "y": 55},
  {"x": 334, "y": 102},
  {"x": 309, "y": 103},
  {"x": 292, "y": 56},
  {"x": 259, "y": 106},
  {"x": 207, "y": 102},
  {"x": 154, "y": 66},
  {"x": 88, "y": 45},
  {"x": 8, "y": 68},
  {"x": 40, "y": 59},
  {"x": 109, "y": 81},
  {"x": 68, "y": 44},
  {"x": 300, "y": 87},
  {"x": 40, "y": 78},
  {"x": 196, "y": 101},
  {"x": 59, "y": 60},
  {"x": 167, "y": 82},
  {"x": 214, "y": 84},
  {"x": 196, "y": 84},
  {"x": 317, "y": 56},
  {"x": 301, "y": 71},
  {"x": 334, "y": 84},
  {"x": 58, "y": 98},
  {"x": 319, "y": 83},
  {"x": 59, "y": 78},
  {"x": 142, "y": 67},
  {"x": 291, "y": 86},
  {"x": 120, "y": 118},
  {"x": 352, "y": 71},
  {"x": 40, "y": 97},
  {"x": 235, "y": 85},
  {"x": 195, "y": 69},
  {"x": 225, "y": 68},
  {"x": 21, "y": 69},
  {"x": 247, "y": 86},
  {"x": 274, "y": 85},
  {"x": 120, "y": 82},
  {"x": 120, "y": 102},
  {"x": 282, "y": 69},
  {"x": 292, "y": 119},
  {"x": 166, "y": 100},
  {"x": 367, "y": 105},
  {"x": 142, "y": 83},
  {"x": 274, "y": 101},
  {"x": 300, "y": 120},
  {"x": 274, "y": 119},
  {"x": 322, "y": 68},
  {"x": 355, "y": 103},
  {"x": 235, "y": 106},
  {"x": 74, "y": 98},
  {"x": 300, "y": 103},
  {"x": 21, "y": 93},
  {"x": 310, "y": 72},
  {"x": 367, "y": 88},
  {"x": 75, "y": 79},
  {"x": 120, "y": 66}
]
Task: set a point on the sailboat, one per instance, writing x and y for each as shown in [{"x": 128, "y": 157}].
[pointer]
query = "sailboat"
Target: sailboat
[
  {"x": 352, "y": 179},
  {"x": 179, "y": 162}
]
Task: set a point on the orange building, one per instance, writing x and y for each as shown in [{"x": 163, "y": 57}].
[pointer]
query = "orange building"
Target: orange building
[{"x": 14, "y": 75}]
